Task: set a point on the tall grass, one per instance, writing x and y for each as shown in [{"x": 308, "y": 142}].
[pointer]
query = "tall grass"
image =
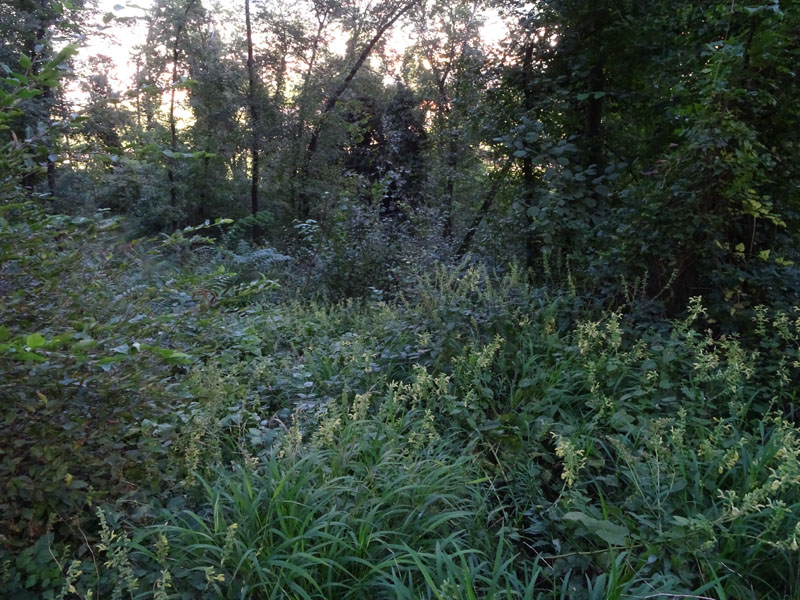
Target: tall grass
[{"x": 359, "y": 518}]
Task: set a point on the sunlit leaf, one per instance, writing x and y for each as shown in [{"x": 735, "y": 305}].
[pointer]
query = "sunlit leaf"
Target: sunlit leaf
[{"x": 35, "y": 340}]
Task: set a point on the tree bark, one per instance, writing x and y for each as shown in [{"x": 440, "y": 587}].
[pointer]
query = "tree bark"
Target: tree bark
[
  {"x": 138, "y": 100},
  {"x": 444, "y": 100},
  {"x": 47, "y": 96},
  {"x": 452, "y": 154},
  {"x": 303, "y": 101},
  {"x": 449, "y": 190}
]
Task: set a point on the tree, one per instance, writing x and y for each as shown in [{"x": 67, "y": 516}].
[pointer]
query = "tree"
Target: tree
[
  {"x": 105, "y": 119},
  {"x": 630, "y": 119},
  {"x": 252, "y": 89},
  {"x": 28, "y": 27},
  {"x": 384, "y": 15},
  {"x": 167, "y": 24},
  {"x": 217, "y": 133},
  {"x": 449, "y": 35},
  {"x": 403, "y": 163}
]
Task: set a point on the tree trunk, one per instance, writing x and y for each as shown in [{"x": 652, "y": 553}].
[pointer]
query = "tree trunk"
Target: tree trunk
[
  {"x": 254, "y": 120},
  {"x": 173, "y": 131},
  {"x": 449, "y": 189},
  {"x": 452, "y": 139},
  {"x": 594, "y": 117},
  {"x": 302, "y": 104},
  {"x": 173, "y": 139},
  {"x": 138, "y": 99},
  {"x": 528, "y": 180},
  {"x": 47, "y": 96},
  {"x": 46, "y": 99},
  {"x": 281, "y": 71},
  {"x": 452, "y": 157},
  {"x": 204, "y": 186},
  {"x": 484, "y": 209}
]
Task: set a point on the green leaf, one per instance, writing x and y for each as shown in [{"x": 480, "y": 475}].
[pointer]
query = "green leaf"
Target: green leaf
[
  {"x": 107, "y": 362},
  {"x": 28, "y": 94},
  {"x": 29, "y": 356},
  {"x": 35, "y": 340},
  {"x": 25, "y": 62},
  {"x": 84, "y": 344},
  {"x": 611, "y": 533},
  {"x": 62, "y": 56},
  {"x": 602, "y": 189},
  {"x": 179, "y": 358}
]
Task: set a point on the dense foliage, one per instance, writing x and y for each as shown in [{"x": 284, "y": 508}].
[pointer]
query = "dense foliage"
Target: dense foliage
[{"x": 308, "y": 312}]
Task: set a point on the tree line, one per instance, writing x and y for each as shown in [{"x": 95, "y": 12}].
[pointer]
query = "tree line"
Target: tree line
[{"x": 650, "y": 148}]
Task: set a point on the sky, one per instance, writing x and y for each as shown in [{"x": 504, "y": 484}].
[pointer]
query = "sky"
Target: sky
[{"x": 119, "y": 39}]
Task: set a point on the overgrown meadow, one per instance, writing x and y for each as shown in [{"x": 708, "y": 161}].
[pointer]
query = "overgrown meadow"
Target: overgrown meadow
[{"x": 178, "y": 429}]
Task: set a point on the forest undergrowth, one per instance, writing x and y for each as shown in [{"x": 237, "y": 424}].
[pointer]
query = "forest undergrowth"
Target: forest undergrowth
[
  {"x": 497, "y": 301},
  {"x": 182, "y": 428}
]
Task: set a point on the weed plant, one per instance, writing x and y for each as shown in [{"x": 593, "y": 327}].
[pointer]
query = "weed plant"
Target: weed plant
[{"x": 476, "y": 437}]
